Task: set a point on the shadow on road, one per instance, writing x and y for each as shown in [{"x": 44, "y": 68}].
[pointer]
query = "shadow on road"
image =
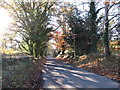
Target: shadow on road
[{"x": 63, "y": 75}]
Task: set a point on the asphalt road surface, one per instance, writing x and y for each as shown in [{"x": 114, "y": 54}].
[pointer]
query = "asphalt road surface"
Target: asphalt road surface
[{"x": 63, "y": 75}]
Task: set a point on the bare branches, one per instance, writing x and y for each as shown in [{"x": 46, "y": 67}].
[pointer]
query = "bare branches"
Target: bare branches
[
  {"x": 113, "y": 5},
  {"x": 113, "y": 17},
  {"x": 113, "y": 27}
]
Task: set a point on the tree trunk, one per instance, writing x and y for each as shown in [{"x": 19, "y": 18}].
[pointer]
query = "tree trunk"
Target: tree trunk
[
  {"x": 37, "y": 50},
  {"x": 106, "y": 40},
  {"x": 31, "y": 48},
  {"x": 93, "y": 27},
  {"x": 41, "y": 53}
]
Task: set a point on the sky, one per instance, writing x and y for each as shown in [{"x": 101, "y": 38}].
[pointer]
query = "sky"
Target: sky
[{"x": 5, "y": 21}]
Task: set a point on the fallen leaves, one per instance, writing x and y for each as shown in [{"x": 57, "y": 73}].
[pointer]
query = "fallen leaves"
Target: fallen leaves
[
  {"x": 108, "y": 68},
  {"x": 99, "y": 64}
]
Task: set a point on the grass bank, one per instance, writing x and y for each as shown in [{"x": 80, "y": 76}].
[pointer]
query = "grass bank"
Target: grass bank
[{"x": 20, "y": 71}]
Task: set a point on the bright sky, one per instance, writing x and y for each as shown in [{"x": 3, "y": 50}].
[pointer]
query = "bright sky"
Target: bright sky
[{"x": 5, "y": 20}]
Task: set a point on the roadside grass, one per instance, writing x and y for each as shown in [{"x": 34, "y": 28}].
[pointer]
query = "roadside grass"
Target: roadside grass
[{"x": 20, "y": 72}]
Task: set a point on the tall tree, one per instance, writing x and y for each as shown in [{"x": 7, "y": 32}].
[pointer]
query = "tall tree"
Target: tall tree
[
  {"x": 31, "y": 20},
  {"x": 108, "y": 6},
  {"x": 93, "y": 27},
  {"x": 84, "y": 30},
  {"x": 106, "y": 40}
]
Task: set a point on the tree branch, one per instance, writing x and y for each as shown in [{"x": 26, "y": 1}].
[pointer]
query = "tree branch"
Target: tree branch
[{"x": 113, "y": 27}]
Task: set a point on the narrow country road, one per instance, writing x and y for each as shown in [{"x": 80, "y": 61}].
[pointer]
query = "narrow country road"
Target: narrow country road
[{"x": 62, "y": 75}]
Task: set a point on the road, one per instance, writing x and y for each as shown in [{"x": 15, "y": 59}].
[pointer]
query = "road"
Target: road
[{"x": 63, "y": 75}]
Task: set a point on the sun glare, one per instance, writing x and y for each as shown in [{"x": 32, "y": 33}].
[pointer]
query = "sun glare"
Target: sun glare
[{"x": 5, "y": 20}]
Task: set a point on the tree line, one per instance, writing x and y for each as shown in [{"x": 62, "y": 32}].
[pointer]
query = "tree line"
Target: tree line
[{"x": 32, "y": 20}]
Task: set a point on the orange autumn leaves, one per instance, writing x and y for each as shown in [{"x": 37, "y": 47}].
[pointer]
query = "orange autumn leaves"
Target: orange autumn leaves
[{"x": 59, "y": 39}]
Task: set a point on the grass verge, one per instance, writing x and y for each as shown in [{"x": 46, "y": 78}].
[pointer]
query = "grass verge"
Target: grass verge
[{"x": 21, "y": 72}]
